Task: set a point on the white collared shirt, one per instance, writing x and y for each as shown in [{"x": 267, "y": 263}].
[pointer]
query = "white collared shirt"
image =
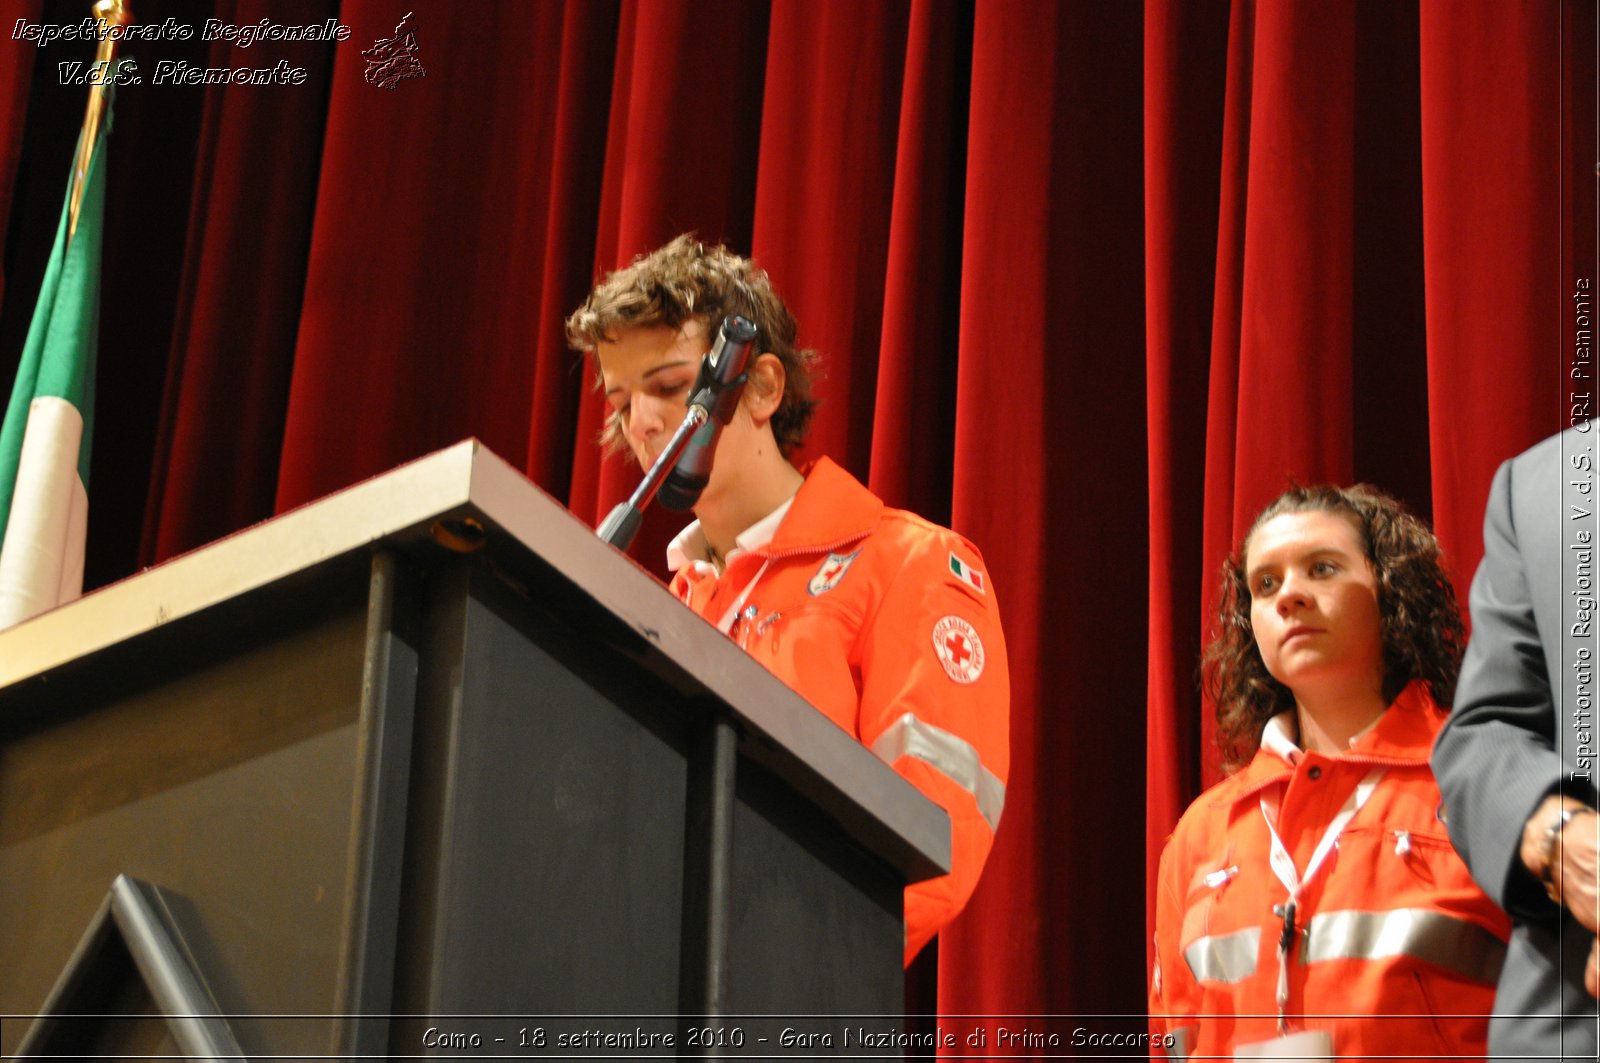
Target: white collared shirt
[
  {"x": 689, "y": 547},
  {"x": 1282, "y": 733}
]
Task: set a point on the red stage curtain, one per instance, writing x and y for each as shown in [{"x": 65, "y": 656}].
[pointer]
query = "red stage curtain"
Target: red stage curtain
[
  {"x": 1091, "y": 282},
  {"x": 427, "y": 247},
  {"x": 1048, "y": 480},
  {"x": 227, "y": 379},
  {"x": 1191, "y": 253},
  {"x": 1494, "y": 190}
]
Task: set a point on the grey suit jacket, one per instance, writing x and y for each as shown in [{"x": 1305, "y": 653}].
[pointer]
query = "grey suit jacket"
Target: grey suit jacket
[{"x": 1524, "y": 726}]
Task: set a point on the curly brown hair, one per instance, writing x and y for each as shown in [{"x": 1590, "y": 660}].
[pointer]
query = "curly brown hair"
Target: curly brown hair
[
  {"x": 686, "y": 280},
  {"x": 1419, "y": 620}
]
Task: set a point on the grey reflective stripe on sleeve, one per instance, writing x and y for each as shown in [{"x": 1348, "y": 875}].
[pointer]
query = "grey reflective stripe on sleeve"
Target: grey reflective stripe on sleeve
[
  {"x": 1433, "y": 937},
  {"x": 1225, "y": 957},
  {"x": 947, "y": 754},
  {"x": 1182, "y": 1042}
]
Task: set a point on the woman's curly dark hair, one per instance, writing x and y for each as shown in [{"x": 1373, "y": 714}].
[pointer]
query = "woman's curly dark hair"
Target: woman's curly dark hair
[{"x": 1420, "y": 622}]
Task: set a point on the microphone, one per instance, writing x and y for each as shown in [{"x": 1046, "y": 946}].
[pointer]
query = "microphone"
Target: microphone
[{"x": 716, "y": 392}]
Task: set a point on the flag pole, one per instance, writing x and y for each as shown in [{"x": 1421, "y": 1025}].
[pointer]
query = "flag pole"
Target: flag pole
[
  {"x": 46, "y": 435},
  {"x": 107, "y": 13}
]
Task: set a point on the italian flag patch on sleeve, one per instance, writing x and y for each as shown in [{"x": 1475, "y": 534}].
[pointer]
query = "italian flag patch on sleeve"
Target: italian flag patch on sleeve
[{"x": 964, "y": 572}]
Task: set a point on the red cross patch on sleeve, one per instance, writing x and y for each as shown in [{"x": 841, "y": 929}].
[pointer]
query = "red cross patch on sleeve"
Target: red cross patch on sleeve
[{"x": 959, "y": 649}]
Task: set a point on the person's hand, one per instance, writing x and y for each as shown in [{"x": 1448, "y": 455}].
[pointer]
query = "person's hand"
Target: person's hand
[
  {"x": 1574, "y": 866},
  {"x": 1573, "y": 858}
]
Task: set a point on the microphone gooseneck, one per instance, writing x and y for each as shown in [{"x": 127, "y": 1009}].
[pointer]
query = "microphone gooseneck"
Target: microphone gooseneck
[
  {"x": 716, "y": 390},
  {"x": 686, "y": 461}
]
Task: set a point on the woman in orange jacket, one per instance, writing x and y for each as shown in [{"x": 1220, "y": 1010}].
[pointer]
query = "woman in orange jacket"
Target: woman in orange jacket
[
  {"x": 885, "y": 622},
  {"x": 1310, "y": 905}
]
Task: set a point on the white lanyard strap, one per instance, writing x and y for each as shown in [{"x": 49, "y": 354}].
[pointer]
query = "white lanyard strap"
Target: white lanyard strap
[
  {"x": 725, "y": 625},
  {"x": 1283, "y": 866}
]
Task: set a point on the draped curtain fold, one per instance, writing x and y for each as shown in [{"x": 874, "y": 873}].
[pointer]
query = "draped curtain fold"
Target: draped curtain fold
[
  {"x": 1495, "y": 189},
  {"x": 1091, "y": 283},
  {"x": 232, "y": 353}
]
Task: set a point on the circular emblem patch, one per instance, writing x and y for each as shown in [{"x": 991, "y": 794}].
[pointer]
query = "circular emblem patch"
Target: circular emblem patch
[{"x": 958, "y": 648}]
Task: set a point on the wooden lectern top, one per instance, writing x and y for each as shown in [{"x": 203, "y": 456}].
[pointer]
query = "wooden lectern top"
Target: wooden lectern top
[{"x": 466, "y": 492}]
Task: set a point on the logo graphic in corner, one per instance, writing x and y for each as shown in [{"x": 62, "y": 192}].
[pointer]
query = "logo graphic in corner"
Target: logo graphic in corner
[
  {"x": 393, "y": 59},
  {"x": 958, "y": 648},
  {"x": 831, "y": 572}
]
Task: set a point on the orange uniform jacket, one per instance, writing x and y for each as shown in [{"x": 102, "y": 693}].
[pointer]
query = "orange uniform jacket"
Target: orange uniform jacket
[
  {"x": 1392, "y": 924},
  {"x": 888, "y": 625}
]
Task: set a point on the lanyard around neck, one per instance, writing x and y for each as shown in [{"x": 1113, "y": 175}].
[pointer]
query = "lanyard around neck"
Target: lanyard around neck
[
  {"x": 1283, "y": 866},
  {"x": 725, "y": 625}
]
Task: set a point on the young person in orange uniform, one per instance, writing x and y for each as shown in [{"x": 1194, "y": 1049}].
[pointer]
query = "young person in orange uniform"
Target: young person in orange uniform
[
  {"x": 1311, "y": 904},
  {"x": 885, "y": 622}
]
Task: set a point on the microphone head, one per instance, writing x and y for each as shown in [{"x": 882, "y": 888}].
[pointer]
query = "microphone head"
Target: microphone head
[
  {"x": 679, "y": 491},
  {"x": 716, "y": 390},
  {"x": 738, "y": 329}
]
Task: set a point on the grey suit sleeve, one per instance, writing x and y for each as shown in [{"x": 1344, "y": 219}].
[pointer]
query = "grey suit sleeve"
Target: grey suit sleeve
[{"x": 1496, "y": 758}]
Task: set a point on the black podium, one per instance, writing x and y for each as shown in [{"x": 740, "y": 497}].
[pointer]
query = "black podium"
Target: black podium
[{"x": 423, "y": 769}]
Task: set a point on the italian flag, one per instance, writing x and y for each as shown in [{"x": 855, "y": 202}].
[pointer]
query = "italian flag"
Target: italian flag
[
  {"x": 964, "y": 572},
  {"x": 44, "y": 441}
]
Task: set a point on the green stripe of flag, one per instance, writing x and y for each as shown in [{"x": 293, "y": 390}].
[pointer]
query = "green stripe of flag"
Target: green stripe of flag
[{"x": 58, "y": 358}]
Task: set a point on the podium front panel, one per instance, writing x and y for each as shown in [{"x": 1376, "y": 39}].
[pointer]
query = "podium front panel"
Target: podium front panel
[
  {"x": 546, "y": 838},
  {"x": 227, "y": 783}
]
